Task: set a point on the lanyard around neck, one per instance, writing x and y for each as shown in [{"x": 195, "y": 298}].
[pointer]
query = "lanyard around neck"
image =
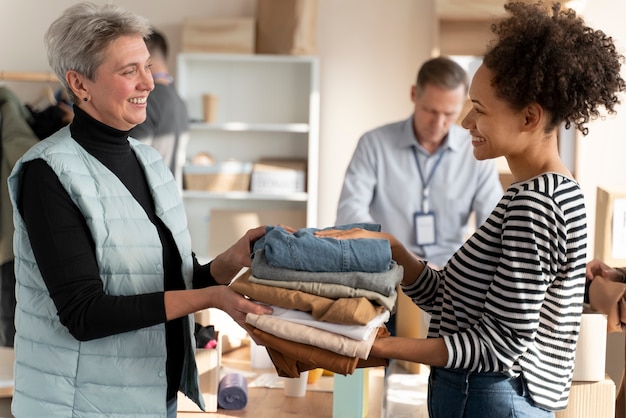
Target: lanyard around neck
[{"x": 426, "y": 181}]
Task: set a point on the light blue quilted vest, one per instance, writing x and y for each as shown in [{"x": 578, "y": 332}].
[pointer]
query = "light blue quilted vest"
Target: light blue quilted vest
[{"x": 119, "y": 376}]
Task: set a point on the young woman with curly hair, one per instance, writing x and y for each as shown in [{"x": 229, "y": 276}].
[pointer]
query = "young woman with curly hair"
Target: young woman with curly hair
[{"x": 506, "y": 308}]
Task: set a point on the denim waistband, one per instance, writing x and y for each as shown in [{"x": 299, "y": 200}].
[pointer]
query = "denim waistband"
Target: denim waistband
[{"x": 468, "y": 381}]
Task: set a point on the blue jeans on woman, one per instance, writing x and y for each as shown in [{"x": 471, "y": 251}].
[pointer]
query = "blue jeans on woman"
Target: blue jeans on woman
[{"x": 462, "y": 394}]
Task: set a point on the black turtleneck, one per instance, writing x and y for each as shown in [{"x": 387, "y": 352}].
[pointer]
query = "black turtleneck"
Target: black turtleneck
[{"x": 64, "y": 248}]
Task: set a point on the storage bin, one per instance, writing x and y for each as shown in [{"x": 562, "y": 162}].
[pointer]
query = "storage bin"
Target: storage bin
[
  {"x": 278, "y": 176},
  {"x": 227, "y": 176}
]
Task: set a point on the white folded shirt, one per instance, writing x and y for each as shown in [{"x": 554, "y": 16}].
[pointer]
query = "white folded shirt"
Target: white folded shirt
[{"x": 357, "y": 332}]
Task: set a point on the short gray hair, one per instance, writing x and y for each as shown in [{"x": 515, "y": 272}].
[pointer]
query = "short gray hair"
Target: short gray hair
[
  {"x": 77, "y": 39},
  {"x": 441, "y": 72}
]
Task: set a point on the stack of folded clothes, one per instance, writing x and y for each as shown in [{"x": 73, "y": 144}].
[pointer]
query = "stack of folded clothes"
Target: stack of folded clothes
[{"x": 331, "y": 298}]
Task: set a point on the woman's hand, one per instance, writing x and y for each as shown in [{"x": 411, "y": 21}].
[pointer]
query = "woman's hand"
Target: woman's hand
[
  {"x": 598, "y": 268},
  {"x": 238, "y": 306},
  {"x": 183, "y": 302}
]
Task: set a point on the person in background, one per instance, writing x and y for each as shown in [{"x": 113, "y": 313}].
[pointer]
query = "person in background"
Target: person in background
[
  {"x": 166, "y": 127},
  {"x": 106, "y": 278},
  {"x": 506, "y": 309},
  {"x": 417, "y": 178}
]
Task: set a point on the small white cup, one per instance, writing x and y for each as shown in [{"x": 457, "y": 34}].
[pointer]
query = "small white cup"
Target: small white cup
[{"x": 296, "y": 386}]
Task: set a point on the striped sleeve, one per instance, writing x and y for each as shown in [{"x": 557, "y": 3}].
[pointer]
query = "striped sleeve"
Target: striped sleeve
[{"x": 511, "y": 297}]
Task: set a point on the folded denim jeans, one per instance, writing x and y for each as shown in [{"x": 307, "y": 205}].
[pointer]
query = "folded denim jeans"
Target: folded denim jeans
[
  {"x": 305, "y": 252},
  {"x": 385, "y": 282}
]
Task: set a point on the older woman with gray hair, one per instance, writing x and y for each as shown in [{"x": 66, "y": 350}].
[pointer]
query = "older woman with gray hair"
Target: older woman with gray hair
[{"x": 106, "y": 278}]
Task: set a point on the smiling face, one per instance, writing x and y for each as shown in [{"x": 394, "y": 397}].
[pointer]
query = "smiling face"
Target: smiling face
[
  {"x": 117, "y": 97},
  {"x": 495, "y": 127}
]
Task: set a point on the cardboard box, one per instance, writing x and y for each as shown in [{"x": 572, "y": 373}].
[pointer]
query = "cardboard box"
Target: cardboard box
[
  {"x": 278, "y": 176},
  {"x": 223, "y": 35},
  {"x": 590, "y": 399},
  {"x": 411, "y": 322},
  {"x": 610, "y": 232},
  {"x": 228, "y": 225},
  {"x": 286, "y": 27},
  {"x": 228, "y": 176},
  {"x": 208, "y": 361}
]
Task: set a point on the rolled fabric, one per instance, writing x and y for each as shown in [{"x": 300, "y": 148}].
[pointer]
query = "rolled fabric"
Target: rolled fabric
[{"x": 232, "y": 392}]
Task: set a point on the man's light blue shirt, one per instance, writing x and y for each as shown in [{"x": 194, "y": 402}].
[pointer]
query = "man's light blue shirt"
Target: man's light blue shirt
[{"x": 383, "y": 185}]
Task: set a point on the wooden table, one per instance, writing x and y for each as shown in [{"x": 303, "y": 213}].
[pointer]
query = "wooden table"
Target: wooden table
[{"x": 272, "y": 403}]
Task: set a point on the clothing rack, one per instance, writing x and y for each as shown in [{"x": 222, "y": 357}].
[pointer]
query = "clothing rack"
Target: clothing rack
[
  {"x": 46, "y": 94},
  {"x": 28, "y": 76}
]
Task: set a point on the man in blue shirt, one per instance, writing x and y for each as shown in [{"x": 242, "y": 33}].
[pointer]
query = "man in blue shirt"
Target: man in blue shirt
[{"x": 418, "y": 177}]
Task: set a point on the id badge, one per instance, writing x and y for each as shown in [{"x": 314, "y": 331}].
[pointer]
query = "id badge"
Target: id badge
[{"x": 425, "y": 233}]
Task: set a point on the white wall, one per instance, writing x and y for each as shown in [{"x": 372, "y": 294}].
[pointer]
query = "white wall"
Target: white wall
[
  {"x": 600, "y": 155},
  {"x": 370, "y": 51}
]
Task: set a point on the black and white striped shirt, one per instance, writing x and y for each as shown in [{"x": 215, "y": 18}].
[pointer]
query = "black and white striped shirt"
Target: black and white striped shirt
[{"x": 510, "y": 299}]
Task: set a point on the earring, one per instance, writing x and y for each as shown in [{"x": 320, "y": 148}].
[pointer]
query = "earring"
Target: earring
[{"x": 85, "y": 99}]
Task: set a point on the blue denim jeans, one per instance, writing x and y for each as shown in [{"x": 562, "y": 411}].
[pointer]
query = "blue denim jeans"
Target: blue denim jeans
[
  {"x": 384, "y": 283},
  {"x": 461, "y": 394},
  {"x": 306, "y": 252}
]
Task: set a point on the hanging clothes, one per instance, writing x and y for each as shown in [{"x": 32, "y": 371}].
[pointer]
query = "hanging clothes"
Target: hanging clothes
[{"x": 17, "y": 137}]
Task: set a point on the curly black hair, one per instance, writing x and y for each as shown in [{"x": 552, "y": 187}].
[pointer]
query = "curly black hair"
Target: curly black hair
[{"x": 548, "y": 56}]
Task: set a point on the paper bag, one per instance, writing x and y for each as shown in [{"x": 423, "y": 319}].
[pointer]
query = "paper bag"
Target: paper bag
[{"x": 286, "y": 27}]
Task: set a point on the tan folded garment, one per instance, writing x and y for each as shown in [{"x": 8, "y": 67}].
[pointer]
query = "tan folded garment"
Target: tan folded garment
[
  {"x": 347, "y": 311},
  {"x": 305, "y": 334},
  {"x": 331, "y": 290},
  {"x": 291, "y": 358}
]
